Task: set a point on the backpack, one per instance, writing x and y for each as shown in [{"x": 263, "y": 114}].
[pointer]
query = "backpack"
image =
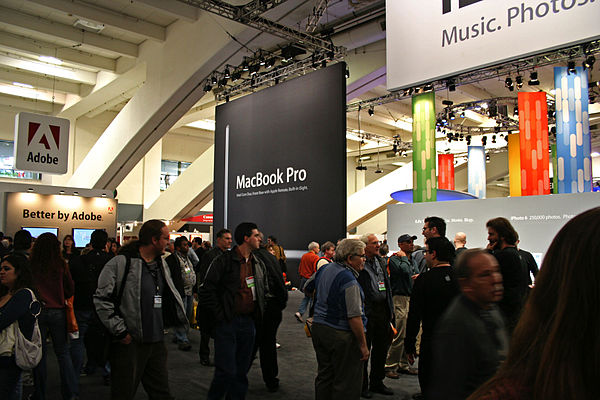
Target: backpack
[{"x": 28, "y": 353}]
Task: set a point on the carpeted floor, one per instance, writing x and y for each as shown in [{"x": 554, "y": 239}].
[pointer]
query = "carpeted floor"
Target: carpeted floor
[{"x": 189, "y": 380}]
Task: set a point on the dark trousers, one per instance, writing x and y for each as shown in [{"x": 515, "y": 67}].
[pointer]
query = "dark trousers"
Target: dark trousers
[
  {"x": 379, "y": 337},
  {"x": 204, "y": 349},
  {"x": 340, "y": 369},
  {"x": 266, "y": 336},
  {"x": 53, "y": 322},
  {"x": 135, "y": 362},
  {"x": 234, "y": 342},
  {"x": 425, "y": 362},
  {"x": 9, "y": 378},
  {"x": 78, "y": 349}
]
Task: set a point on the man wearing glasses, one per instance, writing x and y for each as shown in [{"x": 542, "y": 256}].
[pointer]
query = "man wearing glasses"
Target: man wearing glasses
[
  {"x": 379, "y": 309},
  {"x": 432, "y": 227}
]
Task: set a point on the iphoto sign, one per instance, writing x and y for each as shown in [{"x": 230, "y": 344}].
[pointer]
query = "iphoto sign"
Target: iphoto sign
[
  {"x": 433, "y": 39},
  {"x": 41, "y": 143}
]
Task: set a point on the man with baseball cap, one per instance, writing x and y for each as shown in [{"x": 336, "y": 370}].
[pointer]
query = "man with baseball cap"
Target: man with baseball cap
[{"x": 402, "y": 270}]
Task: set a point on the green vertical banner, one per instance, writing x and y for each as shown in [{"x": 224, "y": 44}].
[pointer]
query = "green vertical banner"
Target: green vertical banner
[
  {"x": 554, "y": 169},
  {"x": 423, "y": 145}
]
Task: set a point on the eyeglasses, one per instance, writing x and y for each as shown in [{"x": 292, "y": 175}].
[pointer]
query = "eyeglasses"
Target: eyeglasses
[{"x": 363, "y": 256}]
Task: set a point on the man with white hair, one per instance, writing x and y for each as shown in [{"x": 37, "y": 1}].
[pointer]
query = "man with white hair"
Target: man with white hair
[
  {"x": 306, "y": 269},
  {"x": 460, "y": 242}
]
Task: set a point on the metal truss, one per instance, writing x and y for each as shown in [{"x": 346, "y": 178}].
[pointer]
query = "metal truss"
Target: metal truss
[
  {"x": 249, "y": 15},
  {"x": 251, "y": 83},
  {"x": 315, "y": 17},
  {"x": 522, "y": 65}
]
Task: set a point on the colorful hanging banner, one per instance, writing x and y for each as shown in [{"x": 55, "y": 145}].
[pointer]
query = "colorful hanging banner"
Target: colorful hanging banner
[
  {"x": 514, "y": 165},
  {"x": 423, "y": 144},
  {"x": 573, "y": 139},
  {"x": 476, "y": 171},
  {"x": 554, "y": 169},
  {"x": 533, "y": 139},
  {"x": 446, "y": 171}
]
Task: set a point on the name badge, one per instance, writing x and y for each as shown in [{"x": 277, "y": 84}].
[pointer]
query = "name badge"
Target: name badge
[
  {"x": 157, "y": 301},
  {"x": 381, "y": 286},
  {"x": 250, "y": 284},
  {"x": 187, "y": 270}
]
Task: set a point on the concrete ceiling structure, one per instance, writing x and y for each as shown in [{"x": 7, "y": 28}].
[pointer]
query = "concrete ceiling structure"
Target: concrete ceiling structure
[{"x": 105, "y": 60}]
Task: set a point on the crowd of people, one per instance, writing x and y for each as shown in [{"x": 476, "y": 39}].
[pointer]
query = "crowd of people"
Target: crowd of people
[{"x": 472, "y": 318}]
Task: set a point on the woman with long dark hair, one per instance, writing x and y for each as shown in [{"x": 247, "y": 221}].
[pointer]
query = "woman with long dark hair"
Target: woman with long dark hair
[
  {"x": 554, "y": 353},
  {"x": 16, "y": 304},
  {"x": 54, "y": 284},
  {"x": 68, "y": 248}
]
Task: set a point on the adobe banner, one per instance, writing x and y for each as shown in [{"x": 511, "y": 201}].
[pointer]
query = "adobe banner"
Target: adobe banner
[
  {"x": 280, "y": 160},
  {"x": 432, "y": 39}
]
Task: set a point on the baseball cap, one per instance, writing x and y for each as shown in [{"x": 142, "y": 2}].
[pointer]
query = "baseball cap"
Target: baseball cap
[{"x": 406, "y": 238}]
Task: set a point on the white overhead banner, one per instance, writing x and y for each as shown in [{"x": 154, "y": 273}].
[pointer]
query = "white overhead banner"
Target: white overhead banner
[
  {"x": 41, "y": 143},
  {"x": 433, "y": 39}
]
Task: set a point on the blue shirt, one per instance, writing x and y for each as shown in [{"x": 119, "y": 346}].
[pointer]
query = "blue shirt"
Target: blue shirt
[{"x": 338, "y": 297}]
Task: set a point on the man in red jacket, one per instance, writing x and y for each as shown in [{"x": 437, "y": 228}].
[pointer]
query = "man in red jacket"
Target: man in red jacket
[{"x": 307, "y": 267}]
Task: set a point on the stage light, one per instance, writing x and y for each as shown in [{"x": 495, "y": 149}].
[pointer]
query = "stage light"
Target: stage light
[
  {"x": 245, "y": 66},
  {"x": 483, "y": 140},
  {"x": 462, "y": 114},
  {"x": 227, "y": 73},
  {"x": 207, "y": 87},
  {"x": 508, "y": 82},
  {"x": 371, "y": 111},
  {"x": 493, "y": 138},
  {"x": 253, "y": 69},
  {"x": 213, "y": 80},
  {"x": 428, "y": 87},
  {"x": 571, "y": 67},
  {"x": 588, "y": 63},
  {"x": 378, "y": 171},
  {"x": 222, "y": 82},
  {"x": 487, "y": 158},
  {"x": 236, "y": 75},
  {"x": 347, "y": 73},
  {"x": 451, "y": 85},
  {"x": 533, "y": 79},
  {"x": 519, "y": 81},
  {"x": 452, "y": 116}
]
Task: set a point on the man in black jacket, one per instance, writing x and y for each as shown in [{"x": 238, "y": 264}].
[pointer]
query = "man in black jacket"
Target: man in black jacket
[
  {"x": 223, "y": 244},
  {"x": 85, "y": 271},
  {"x": 276, "y": 297},
  {"x": 379, "y": 310},
  {"x": 232, "y": 298}
]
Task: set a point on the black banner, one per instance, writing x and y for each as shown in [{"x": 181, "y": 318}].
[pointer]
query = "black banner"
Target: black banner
[{"x": 280, "y": 160}]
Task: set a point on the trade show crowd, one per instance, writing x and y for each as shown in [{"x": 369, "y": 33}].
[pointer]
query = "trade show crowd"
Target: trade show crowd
[{"x": 478, "y": 326}]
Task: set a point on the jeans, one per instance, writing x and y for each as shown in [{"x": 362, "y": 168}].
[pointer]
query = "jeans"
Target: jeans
[
  {"x": 53, "y": 321},
  {"x": 234, "y": 341},
  {"x": 10, "y": 380},
  {"x": 78, "y": 351},
  {"x": 306, "y": 300},
  {"x": 188, "y": 305}
]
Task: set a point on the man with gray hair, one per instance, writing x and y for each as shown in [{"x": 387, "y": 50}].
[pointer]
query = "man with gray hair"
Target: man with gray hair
[
  {"x": 460, "y": 242},
  {"x": 306, "y": 269},
  {"x": 379, "y": 310}
]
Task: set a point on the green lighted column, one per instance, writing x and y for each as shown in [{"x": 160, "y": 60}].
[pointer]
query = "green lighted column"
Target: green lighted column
[{"x": 423, "y": 144}]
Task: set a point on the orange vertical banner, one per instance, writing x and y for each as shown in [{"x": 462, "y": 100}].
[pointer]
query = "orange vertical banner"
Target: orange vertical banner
[
  {"x": 533, "y": 139},
  {"x": 514, "y": 165},
  {"x": 446, "y": 171}
]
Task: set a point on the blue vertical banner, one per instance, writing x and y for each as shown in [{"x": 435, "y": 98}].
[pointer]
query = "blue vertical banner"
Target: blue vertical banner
[
  {"x": 476, "y": 171},
  {"x": 573, "y": 139}
]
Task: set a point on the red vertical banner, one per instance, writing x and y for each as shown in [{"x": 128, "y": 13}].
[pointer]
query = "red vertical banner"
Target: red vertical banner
[
  {"x": 533, "y": 140},
  {"x": 446, "y": 171}
]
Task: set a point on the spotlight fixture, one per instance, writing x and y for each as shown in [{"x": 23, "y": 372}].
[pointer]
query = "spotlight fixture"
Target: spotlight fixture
[
  {"x": 447, "y": 102},
  {"x": 371, "y": 111},
  {"x": 30, "y": 190},
  {"x": 428, "y": 87},
  {"x": 207, "y": 87},
  {"x": 347, "y": 73},
  {"x": 452, "y": 116},
  {"x": 213, "y": 80},
  {"x": 484, "y": 140},
  {"x": 245, "y": 67},
  {"x": 227, "y": 73},
  {"x": 588, "y": 63},
  {"x": 519, "y": 81},
  {"x": 395, "y": 148},
  {"x": 493, "y": 138},
  {"x": 487, "y": 158},
  {"x": 462, "y": 114},
  {"x": 571, "y": 67},
  {"x": 508, "y": 82},
  {"x": 361, "y": 168},
  {"x": 236, "y": 75},
  {"x": 222, "y": 82},
  {"x": 253, "y": 69},
  {"x": 533, "y": 79},
  {"x": 516, "y": 112},
  {"x": 451, "y": 85}
]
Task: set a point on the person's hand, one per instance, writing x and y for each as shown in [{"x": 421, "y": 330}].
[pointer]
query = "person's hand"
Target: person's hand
[
  {"x": 411, "y": 358},
  {"x": 364, "y": 352},
  {"x": 126, "y": 339}
]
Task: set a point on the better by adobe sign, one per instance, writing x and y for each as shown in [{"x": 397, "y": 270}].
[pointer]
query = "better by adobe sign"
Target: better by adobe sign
[{"x": 41, "y": 143}]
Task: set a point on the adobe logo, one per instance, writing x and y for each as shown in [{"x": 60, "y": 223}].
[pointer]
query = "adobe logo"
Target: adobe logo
[
  {"x": 53, "y": 132},
  {"x": 447, "y": 4}
]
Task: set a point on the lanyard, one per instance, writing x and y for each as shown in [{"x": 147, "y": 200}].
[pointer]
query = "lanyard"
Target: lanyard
[{"x": 154, "y": 274}]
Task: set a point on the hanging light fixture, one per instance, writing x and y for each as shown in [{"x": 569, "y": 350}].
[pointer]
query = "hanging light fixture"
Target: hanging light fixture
[{"x": 378, "y": 170}]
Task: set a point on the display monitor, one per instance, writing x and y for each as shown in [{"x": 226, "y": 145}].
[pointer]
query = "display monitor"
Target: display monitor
[
  {"x": 38, "y": 230},
  {"x": 82, "y": 236}
]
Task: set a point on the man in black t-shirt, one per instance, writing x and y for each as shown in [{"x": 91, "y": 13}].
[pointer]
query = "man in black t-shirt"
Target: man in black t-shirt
[{"x": 502, "y": 239}]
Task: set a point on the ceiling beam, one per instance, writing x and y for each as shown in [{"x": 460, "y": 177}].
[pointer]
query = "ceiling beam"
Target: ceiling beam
[
  {"x": 35, "y": 25},
  {"x": 37, "y": 81},
  {"x": 107, "y": 17},
  {"x": 16, "y": 104},
  {"x": 46, "y": 69},
  {"x": 37, "y": 48},
  {"x": 173, "y": 8}
]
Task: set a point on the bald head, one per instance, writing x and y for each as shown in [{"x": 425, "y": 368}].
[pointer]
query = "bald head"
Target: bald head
[{"x": 460, "y": 240}]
